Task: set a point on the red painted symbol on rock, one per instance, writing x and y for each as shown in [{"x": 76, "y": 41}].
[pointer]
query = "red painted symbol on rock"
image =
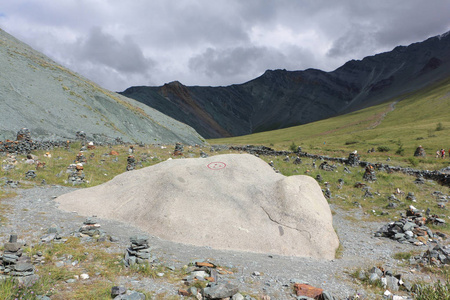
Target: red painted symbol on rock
[{"x": 216, "y": 165}]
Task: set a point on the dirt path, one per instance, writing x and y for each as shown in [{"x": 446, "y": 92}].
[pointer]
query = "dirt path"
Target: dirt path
[{"x": 380, "y": 117}]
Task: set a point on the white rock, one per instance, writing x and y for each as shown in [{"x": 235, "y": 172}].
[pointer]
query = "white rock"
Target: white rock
[
  {"x": 84, "y": 276},
  {"x": 280, "y": 212}
]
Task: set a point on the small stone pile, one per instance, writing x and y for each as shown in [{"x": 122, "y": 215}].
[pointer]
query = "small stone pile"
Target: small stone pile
[
  {"x": 438, "y": 256},
  {"x": 420, "y": 152},
  {"x": 131, "y": 163},
  {"x": 411, "y": 229},
  {"x": 76, "y": 174},
  {"x": 24, "y": 134},
  {"x": 205, "y": 271},
  {"x": 178, "y": 149},
  {"x": 12, "y": 184},
  {"x": 80, "y": 158},
  {"x": 91, "y": 228},
  {"x": 121, "y": 293},
  {"x": 297, "y": 161},
  {"x": 388, "y": 279},
  {"x": 369, "y": 174},
  {"x": 15, "y": 264},
  {"x": 53, "y": 234},
  {"x": 327, "y": 167},
  {"x": 139, "y": 252},
  {"x": 419, "y": 179},
  {"x": 30, "y": 174},
  {"x": 353, "y": 159},
  {"x": 203, "y": 154}
]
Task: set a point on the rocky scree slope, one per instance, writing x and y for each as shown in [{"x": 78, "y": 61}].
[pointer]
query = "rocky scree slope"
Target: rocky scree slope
[
  {"x": 281, "y": 98},
  {"x": 55, "y": 103}
]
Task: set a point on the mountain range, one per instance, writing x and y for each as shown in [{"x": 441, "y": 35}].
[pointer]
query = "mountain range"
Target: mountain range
[
  {"x": 54, "y": 103},
  {"x": 281, "y": 98}
]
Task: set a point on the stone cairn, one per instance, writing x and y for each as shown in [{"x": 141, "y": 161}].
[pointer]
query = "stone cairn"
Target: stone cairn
[
  {"x": 76, "y": 174},
  {"x": 24, "y": 135},
  {"x": 131, "y": 163},
  {"x": 353, "y": 159},
  {"x": 178, "y": 149},
  {"x": 387, "y": 278},
  {"x": 91, "y": 228},
  {"x": 15, "y": 264},
  {"x": 327, "y": 167},
  {"x": 369, "y": 174},
  {"x": 438, "y": 256},
  {"x": 203, "y": 154},
  {"x": 411, "y": 229},
  {"x": 30, "y": 174},
  {"x": 216, "y": 287},
  {"x": 297, "y": 161},
  {"x": 420, "y": 152},
  {"x": 138, "y": 252}
]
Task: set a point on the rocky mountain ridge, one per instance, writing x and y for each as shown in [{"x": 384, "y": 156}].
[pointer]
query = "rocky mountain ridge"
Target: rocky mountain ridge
[
  {"x": 54, "y": 103},
  {"x": 280, "y": 98}
]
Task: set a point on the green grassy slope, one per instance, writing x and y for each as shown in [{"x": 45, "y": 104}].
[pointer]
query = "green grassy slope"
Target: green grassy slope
[{"x": 407, "y": 121}]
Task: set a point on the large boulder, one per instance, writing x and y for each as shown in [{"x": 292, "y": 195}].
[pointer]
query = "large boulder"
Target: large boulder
[{"x": 233, "y": 201}]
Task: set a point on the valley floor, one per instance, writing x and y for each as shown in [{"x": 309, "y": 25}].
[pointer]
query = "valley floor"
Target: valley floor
[{"x": 34, "y": 210}]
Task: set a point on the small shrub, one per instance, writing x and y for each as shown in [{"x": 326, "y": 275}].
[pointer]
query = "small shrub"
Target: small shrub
[
  {"x": 293, "y": 147},
  {"x": 413, "y": 161},
  {"x": 437, "y": 291},
  {"x": 352, "y": 142},
  {"x": 383, "y": 149},
  {"x": 400, "y": 150},
  {"x": 439, "y": 126}
]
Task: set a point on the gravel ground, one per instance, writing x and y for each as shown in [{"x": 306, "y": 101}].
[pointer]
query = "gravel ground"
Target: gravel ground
[{"x": 34, "y": 210}]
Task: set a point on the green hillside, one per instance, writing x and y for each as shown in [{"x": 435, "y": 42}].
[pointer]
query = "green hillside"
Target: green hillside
[{"x": 399, "y": 126}]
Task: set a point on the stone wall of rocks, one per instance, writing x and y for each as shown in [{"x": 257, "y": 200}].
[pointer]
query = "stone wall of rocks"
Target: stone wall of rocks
[{"x": 353, "y": 160}]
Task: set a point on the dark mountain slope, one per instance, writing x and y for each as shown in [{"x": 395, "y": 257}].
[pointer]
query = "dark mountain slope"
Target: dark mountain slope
[
  {"x": 55, "y": 103},
  {"x": 281, "y": 98}
]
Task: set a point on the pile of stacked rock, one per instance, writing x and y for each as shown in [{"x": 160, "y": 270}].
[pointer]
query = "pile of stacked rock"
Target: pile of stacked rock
[
  {"x": 178, "y": 149},
  {"x": 327, "y": 167},
  {"x": 131, "y": 163},
  {"x": 387, "y": 278},
  {"x": 297, "y": 161},
  {"x": 353, "y": 159},
  {"x": 91, "y": 228},
  {"x": 411, "y": 229},
  {"x": 205, "y": 271},
  {"x": 139, "y": 252},
  {"x": 30, "y": 174},
  {"x": 76, "y": 174},
  {"x": 438, "y": 256},
  {"x": 369, "y": 174},
  {"x": 15, "y": 264},
  {"x": 420, "y": 152}
]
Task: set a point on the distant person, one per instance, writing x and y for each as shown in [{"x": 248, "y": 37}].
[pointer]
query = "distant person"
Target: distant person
[
  {"x": 438, "y": 153},
  {"x": 442, "y": 153}
]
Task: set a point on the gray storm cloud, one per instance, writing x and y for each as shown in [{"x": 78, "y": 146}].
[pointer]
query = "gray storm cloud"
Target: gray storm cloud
[
  {"x": 103, "y": 48},
  {"x": 201, "y": 42}
]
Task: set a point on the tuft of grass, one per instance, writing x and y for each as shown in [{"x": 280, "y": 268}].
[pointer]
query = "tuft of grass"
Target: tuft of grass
[{"x": 437, "y": 291}]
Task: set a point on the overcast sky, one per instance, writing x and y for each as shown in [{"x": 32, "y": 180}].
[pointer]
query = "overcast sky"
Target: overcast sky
[{"x": 119, "y": 43}]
